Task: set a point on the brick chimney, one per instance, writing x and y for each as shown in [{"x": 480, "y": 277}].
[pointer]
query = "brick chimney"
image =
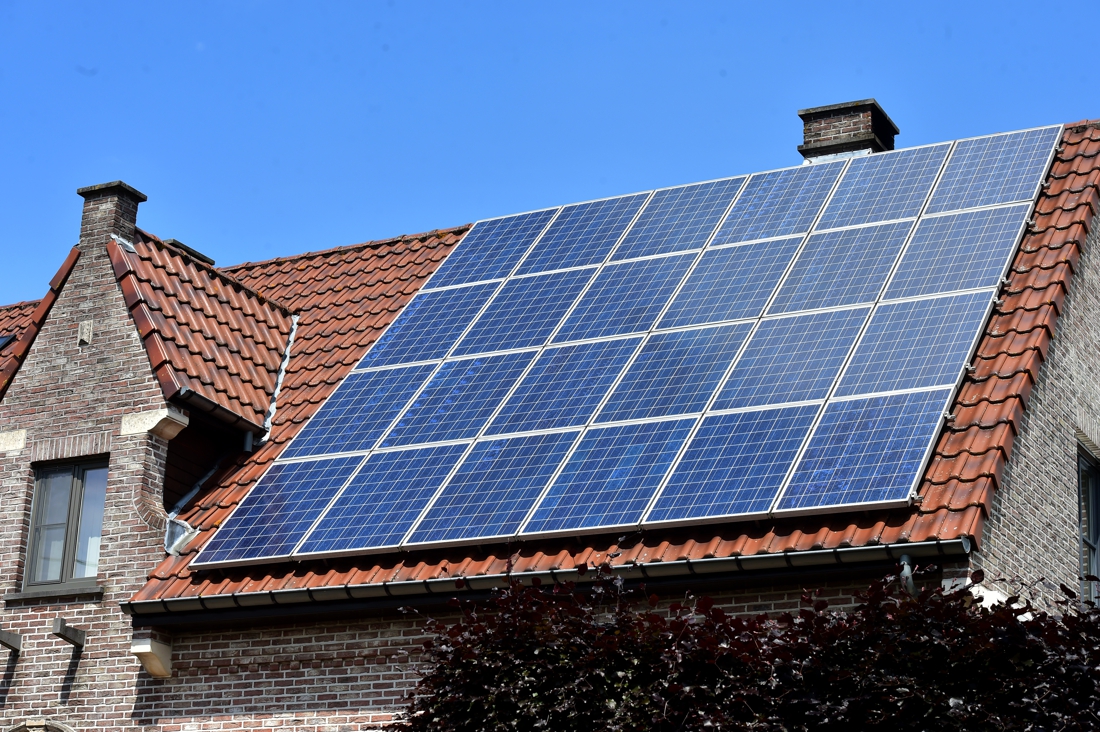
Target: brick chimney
[
  {"x": 851, "y": 128},
  {"x": 109, "y": 208}
]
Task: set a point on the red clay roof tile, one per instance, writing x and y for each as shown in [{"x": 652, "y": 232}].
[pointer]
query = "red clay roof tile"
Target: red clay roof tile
[{"x": 954, "y": 498}]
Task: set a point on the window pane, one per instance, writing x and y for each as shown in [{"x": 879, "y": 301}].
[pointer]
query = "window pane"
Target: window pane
[
  {"x": 91, "y": 523},
  {"x": 56, "y": 488},
  {"x": 50, "y": 548}
]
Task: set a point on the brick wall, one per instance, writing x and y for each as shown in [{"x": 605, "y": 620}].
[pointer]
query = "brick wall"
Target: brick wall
[
  {"x": 70, "y": 399},
  {"x": 1033, "y": 531},
  {"x": 839, "y": 128}
]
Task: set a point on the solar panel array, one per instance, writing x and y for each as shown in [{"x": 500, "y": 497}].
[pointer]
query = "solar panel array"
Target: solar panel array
[{"x": 760, "y": 345}]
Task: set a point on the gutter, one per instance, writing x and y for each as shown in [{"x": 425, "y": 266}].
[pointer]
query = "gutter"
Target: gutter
[
  {"x": 209, "y": 406},
  {"x": 157, "y": 611}
]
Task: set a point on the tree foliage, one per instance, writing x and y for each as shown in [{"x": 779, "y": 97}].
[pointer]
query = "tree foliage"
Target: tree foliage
[{"x": 607, "y": 659}]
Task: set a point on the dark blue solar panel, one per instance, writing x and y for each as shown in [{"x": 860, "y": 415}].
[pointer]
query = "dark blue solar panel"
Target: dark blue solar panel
[
  {"x": 734, "y": 465},
  {"x": 779, "y": 203},
  {"x": 731, "y": 283},
  {"x": 676, "y": 373},
  {"x": 884, "y": 186},
  {"x": 459, "y": 401},
  {"x": 428, "y": 326},
  {"x": 525, "y": 312},
  {"x": 279, "y": 510},
  {"x": 866, "y": 450},
  {"x": 678, "y": 219},
  {"x": 910, "y": 345},
  {"x": 625, "y": 298},
  {"x": 792, "y": 359},
  {"x": 997, "y": 169},
  {"x": 564, "y": 387},
  {"x": 583, "y": 234},
  {"x": 611, "y": 476},
  {"x": 491, "y": 249},
  {"x": 383, "y": 500},
  {"x": 958, "y": 252},
  {"x": 841, "y": 268},
  {"x": 355, "y": 416},
  {"x": 494, "y": 488}
]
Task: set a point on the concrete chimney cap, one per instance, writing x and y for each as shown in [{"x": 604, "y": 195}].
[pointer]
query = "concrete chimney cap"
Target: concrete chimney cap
[
  {"x": 114, "y": 187},
  {"x": 829, "y": 110}
]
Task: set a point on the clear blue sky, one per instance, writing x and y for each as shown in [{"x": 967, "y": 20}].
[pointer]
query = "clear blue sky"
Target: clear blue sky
[{"x": 265, "y": 129}]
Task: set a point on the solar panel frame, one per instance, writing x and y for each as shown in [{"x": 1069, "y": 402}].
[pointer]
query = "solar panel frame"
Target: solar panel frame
[{"x": 654, "y": 328}]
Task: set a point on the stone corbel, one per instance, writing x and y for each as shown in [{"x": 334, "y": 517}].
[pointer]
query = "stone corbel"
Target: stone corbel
[
  {"x": 164, "y": 423},
  {"x": 155, "y": 656}
]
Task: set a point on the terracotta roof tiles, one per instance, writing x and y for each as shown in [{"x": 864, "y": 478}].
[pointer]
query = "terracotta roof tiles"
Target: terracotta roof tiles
[{"x": 955, "y": 495}]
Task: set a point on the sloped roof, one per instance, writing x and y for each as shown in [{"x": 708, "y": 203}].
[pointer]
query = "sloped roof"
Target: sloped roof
[
  {"x": 955, "y": 494},
  {"x": 23, "y": 320},
  {"x": 205, "y": 333}
]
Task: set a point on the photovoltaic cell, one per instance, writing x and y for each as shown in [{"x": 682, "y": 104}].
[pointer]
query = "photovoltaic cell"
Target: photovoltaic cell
[
  {"x": 625, "y": 298},
  {"x": 842, "y": 267},
  {"x": 792, "y": 359},
  {"x": 383, "y": 500},
  {"x": 679, "y": 219},
  {"x": 884, "y": 186},
  {"x": 491, "y": 249},
  {"x": 866, "y": 451},
  {"x": 779, "y": 203},
  {"x": 525, "y": 312},
  {"x": 428, "y": 326},
  {"x": 459, "y": 401},
  {"x": 915, "y": 344},
  {"x": 494, "y": 488},
  {"x": 734, "y": 465},
  {"x": 958, "y": 252},
  {"x": 564, "y": 387},
  {"x": 355, "y": 416},
  {"x": 731, "y": 283},
  {"x": 279, "y": 510},
  {"x": 675, "y": 373},
  {"x": 996, "y": 169},
  {"x": 583, "y": 234},
  {"x": 611, "y": 476}
]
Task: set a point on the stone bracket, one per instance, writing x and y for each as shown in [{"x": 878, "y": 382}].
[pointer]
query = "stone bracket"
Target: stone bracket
[
  {"x": 155, "y": 656},
  {"x": 67, "y": 633},
  {"x": 12, "y": 641},
  {"x": 164, "y": 423}
]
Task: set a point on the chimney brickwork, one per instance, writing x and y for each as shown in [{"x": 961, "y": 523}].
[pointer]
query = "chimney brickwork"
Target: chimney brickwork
[
  {"x": 846, "y": 128},
  {"x": 109, "y": 208}
]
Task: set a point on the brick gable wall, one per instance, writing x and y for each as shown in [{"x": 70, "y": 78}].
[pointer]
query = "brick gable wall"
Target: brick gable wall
[{"x": 70, "y": 399}]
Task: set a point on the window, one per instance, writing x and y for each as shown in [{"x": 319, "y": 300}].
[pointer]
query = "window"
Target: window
[
  {"x": 67, "y": 523},
  {"x": 1088, "y": 482}
]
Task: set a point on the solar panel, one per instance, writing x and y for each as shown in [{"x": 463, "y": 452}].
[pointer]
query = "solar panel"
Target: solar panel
[
  {"x": 734, "y": 465},
  {"x": 492, "y": 249},
  {"x": 494, "y": 488},
  {"x": 779, "y": 203},
  {"x": 459, "y": 400},
  {"x": 428, "y": 326},
  {"x": 610, "y": 477},
  {"x": 279, "y": 510},
  {"x": 731, "y": 283},
  {"x": 625, "y": 298},
  {"x": 842, "y": 267},
  {"x": 356, "y": 415},
  {"x": 564, "y": 387},
  {"x": 583, "y": 234},
  {"x": 717, "y": 351},
  {"x": 525, "y": 312},
  {"x": 915, "y": 344},
  {"x": 992, "y": 170},
  {"x": 679, "y": 219},
  {"x": 792, "y": 359},
  {"x": 883, "y": 187},
  {"x": 867, "y": 451},
  {"x": 958, "y": 252},
  {"x": 675, "y": 373},
  {"x": 382, "y": 501}
]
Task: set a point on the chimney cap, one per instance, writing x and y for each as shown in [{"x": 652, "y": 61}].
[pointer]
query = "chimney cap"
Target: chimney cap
[
  {"x": 830, "y": 110},
  {"x": 115, "y": 187}
]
